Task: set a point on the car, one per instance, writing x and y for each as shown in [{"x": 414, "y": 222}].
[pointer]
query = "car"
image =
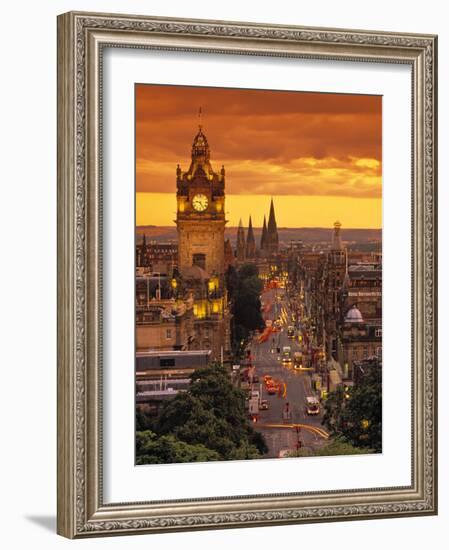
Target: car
[
  {"x": 264, "y": 405},
  {"x": 273, "y": 388}
]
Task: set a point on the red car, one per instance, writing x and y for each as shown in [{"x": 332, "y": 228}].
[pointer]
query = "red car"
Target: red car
[{"x": 272, "y": 389}]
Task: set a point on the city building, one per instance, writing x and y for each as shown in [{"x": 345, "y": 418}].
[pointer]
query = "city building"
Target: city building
[
  {"x": 341, "y": 303},
  {"x": 200, "y": 217},
  {"x": 200, "y": 222},
  {"x": 363, "y": 287},
  {"x": 358, "y": 340},
  {"x": 164, "y": 324},
  {"x": 162, "y": 375},
  {"x": 157, "y": 256}
]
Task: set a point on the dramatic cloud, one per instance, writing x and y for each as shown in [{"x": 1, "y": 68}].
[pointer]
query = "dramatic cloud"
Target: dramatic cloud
[{"x": 270, "y": 142}]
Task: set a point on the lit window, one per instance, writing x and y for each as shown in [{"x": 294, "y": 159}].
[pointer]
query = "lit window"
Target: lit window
[{"x": 199, "y": 310}]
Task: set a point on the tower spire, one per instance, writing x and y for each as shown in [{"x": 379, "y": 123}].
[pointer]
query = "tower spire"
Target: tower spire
[
  {"x": 250, "y": 241},
  {"x": 200, "y": 114},
  {"x": 272, "y": 231},
  {"x": 263, "y": 238},
  {"x": 336, "y": 240},
  {"x": 240, "y": 242}
]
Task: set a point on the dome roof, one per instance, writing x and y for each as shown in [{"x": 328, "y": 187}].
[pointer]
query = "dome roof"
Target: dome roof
[{"x": 354, "y": 315}]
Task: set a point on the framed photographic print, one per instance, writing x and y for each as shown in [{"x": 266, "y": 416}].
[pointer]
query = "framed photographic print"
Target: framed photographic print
[{"x": 247, "y": 274}]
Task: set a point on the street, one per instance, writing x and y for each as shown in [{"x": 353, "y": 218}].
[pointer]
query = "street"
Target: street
[{"x": 285, "y": 425}]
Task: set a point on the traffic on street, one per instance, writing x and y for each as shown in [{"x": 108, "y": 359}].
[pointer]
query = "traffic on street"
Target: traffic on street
[{"x": 278, "y": 374}]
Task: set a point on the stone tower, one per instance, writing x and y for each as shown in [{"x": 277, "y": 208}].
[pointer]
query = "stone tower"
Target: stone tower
[
  {"x": 250, "y": 242},
  {"x": 263, "y": 238},
  {"x": 228, "y": 254},
  {"x": 241, "y": 246},
  {"x": 200, "y": 217},
  {"x": 337, "y": 270}
]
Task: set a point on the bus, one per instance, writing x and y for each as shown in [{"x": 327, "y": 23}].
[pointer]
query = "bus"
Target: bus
[{"x": 312, "y": 406}]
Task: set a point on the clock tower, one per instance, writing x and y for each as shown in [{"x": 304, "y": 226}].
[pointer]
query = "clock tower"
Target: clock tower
[{"x": 200, "y": 217}]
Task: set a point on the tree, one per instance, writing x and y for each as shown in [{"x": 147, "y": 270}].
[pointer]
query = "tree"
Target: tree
[
  {"x": 356, "y": 413},
  {"x": 211, "y": 413},
  {"x": 333, "y": 448},
  {"x": 167, "y": 449},
  {"x": 144, "y": 418},
  {"x": 244, "y": 288}
]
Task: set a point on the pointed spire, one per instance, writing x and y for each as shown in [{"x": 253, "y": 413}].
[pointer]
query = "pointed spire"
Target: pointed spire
[
  {"x": 272, "y": 218},
  {"x": 200, "y": 146},
  {"x": 240, "y": 242},
  {"x": 272, "y": 240},
  {"x": 250, "y": 241},
  {"x": 263, "y": 238}
]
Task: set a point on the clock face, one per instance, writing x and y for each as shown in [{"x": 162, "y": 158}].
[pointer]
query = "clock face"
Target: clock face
[{"x": 200, "y": 202}]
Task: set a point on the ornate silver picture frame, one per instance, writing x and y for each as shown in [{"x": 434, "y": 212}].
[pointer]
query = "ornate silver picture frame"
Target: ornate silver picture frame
[{"x": 82, "y": 40}]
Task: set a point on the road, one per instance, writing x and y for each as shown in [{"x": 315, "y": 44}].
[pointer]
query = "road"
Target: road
[{"x": 295, "y": 385}]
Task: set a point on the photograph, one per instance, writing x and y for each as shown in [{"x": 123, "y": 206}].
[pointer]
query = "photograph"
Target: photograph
[
  {"x": 247, "y": 273},
  {"x": 258, "y": 274}
]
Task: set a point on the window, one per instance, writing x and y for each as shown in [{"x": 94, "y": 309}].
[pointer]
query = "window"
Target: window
[
  {"x": 199, "y": 260},
  {"x": 167, "y": 362},
  {"x": 168, "y": 334},
  {"x": 378, "y": 333}
]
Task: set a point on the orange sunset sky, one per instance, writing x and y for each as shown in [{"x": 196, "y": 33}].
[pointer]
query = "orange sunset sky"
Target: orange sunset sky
[{"x": 318, "y": 155}]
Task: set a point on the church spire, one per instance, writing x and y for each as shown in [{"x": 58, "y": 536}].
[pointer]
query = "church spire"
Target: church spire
[
  {"x": 263, "y": 238},
  {"x": 240, "y": 242},
  {"x": 272, "y": 231},
  {"x": 250, "y": 241}
]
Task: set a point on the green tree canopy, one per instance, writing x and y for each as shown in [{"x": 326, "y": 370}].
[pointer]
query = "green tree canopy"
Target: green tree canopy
[
  {"x": 333, "y": 448},
  {"x": 167, "y": 449},
  {"x": 356, "y": 413},
  {"x": 246, "y": 305},
  {"x": 211, "y": 413}
]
